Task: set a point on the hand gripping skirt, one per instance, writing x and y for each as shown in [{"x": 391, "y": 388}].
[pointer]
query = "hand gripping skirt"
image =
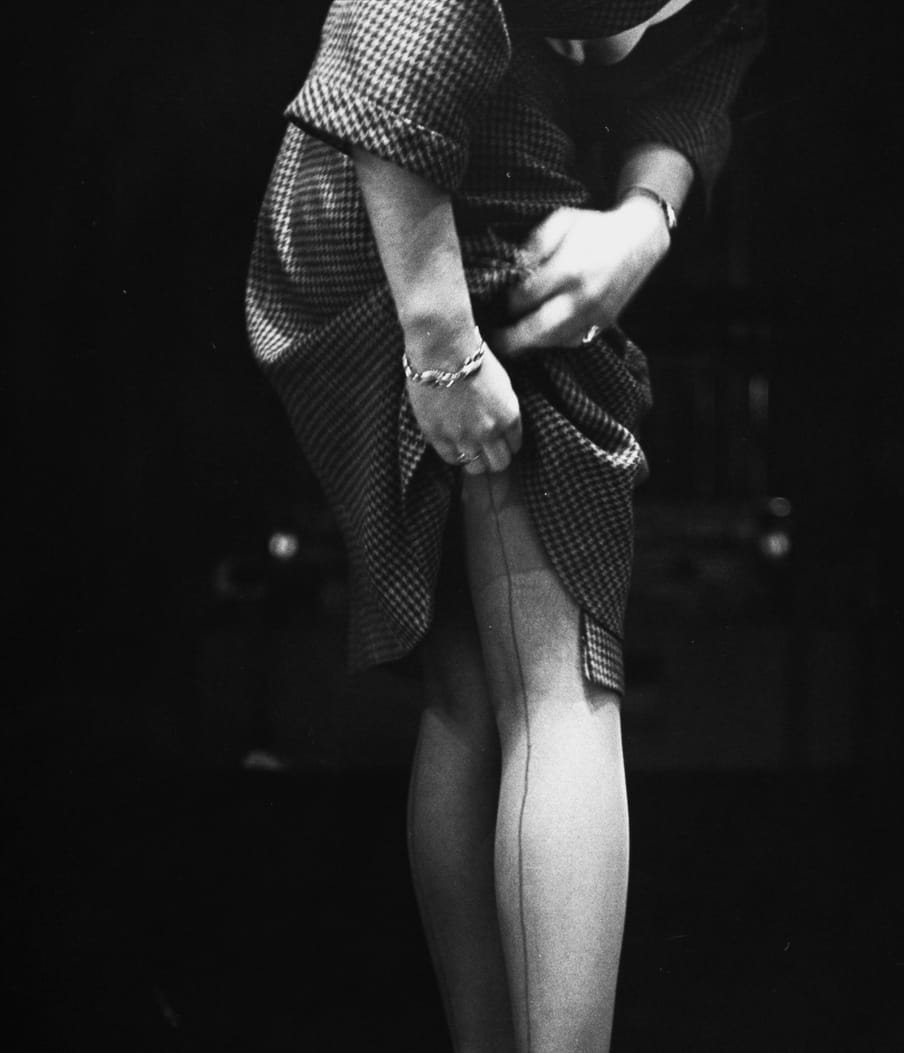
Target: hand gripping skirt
[{"x": 343, "y": 387}]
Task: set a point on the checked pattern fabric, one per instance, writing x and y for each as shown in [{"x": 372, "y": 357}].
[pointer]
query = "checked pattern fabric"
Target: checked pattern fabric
[{"x": 467, "y": 94}]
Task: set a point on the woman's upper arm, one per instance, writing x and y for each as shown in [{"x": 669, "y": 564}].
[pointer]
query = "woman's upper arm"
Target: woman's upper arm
[
  {"x": 405, "y": 80},
  {"x": 688, "y": 108}
]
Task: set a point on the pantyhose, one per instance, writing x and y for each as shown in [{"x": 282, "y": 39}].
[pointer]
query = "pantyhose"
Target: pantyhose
[{"x": 518, "y": 826}]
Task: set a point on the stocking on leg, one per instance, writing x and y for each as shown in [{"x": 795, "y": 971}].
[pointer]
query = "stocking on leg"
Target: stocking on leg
[{"x": 562, "y": 828}]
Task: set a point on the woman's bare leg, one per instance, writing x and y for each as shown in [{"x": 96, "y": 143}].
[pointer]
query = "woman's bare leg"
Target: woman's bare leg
[
  {"x": 451, "y": 831},
  {"x": 562, "y": 828}
]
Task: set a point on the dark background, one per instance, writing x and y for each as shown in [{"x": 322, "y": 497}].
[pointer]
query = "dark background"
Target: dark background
[{"x": 204, "y": 815}]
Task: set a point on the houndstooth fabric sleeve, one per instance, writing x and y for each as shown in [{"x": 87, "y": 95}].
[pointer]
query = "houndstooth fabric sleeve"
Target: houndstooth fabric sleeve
[
  {"x": 689, "y": 107},
  {"x": 405, "y": 79}
]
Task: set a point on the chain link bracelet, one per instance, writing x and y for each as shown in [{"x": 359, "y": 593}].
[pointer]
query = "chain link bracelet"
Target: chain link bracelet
[{"x": 445, "y": 378}]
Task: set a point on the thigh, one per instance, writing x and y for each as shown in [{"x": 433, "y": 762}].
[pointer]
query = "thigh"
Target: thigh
[
  {"x": 455, "y": 682},
  {"x": 529, "y": 626}
]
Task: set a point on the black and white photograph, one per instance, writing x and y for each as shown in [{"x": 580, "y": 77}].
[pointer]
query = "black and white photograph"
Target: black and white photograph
[{"x": 457, "y": 474}]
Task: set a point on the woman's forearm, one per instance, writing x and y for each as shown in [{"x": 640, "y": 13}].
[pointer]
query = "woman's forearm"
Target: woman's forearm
[
  {"x": 414, "y": 228},
  {"x": 475, "y": 422},
  {"x": 660, "y": 168}
]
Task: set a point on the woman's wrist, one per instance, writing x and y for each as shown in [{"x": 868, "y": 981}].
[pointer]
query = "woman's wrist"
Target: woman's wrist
[
  {"x": 445, "y": 378},
  {"x": 440, "y": 341},
  {"x": 649, "y": 222},
  {"x": 658, "y": 168}
]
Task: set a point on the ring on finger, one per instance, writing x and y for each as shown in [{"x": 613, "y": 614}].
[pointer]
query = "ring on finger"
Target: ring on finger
[
  {"x": 591, "y": 334},
  {"x": 464, "y": 457}
]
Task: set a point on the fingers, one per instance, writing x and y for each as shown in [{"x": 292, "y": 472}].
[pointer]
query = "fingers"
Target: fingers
[
  {"x": 543, "y": 280},
  {"x": 536, "y": 287},
  {"x": 494, "y": 455},
  {"x": 448, "y": 451},
  {"x": 477, "y": 467},
  {"x": 548, "y": 235},
  {"x": 555, "y": 323},
  {"x": 514, "y": 435}
]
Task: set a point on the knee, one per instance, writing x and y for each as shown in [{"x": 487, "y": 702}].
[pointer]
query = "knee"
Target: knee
[
  {"x": 555, "y": 712},
  {"x": 461, "y": 703},
  {"x": 458, "y": 732}
]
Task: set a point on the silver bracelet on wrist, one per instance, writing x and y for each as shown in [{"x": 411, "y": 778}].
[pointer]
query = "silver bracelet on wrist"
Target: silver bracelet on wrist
[
  {"x": 445, "y": 378},
  {"x": 668, "y": 212}
]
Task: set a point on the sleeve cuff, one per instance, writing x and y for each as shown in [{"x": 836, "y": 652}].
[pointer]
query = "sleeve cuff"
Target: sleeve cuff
[
  {"x": 704, "y": 142},
  {"x": 347, "y": 119}
]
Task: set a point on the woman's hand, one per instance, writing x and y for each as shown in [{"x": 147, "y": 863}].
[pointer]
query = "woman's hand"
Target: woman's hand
[
  {"x": 585, "y": 268},
  {"x": 475, "y": 423}
]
